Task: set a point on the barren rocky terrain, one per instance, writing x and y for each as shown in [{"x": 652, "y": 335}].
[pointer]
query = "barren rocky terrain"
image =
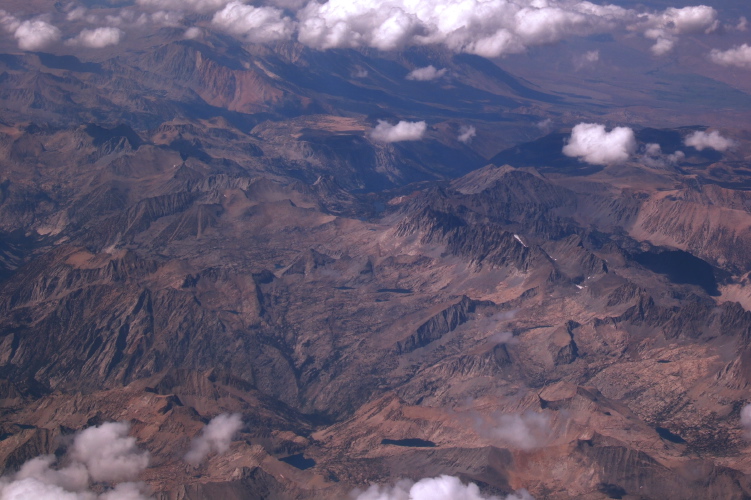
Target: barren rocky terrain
[{"x": 196, "y": 228}]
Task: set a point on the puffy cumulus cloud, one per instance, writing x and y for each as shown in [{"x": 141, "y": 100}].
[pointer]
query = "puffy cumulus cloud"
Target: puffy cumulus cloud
[
  {"x": 654, "y": 157},
  {"x": 402, "y": 131},
  {"x": 215, "y": 437},
  {"x": 665, "y": 27},
  {"x": 34, "y": 34},
  {"x": 97, "y": 38},
  {"x": 466, "y": 133},
  {"x": 739, "y": 56},
  {"x": 485, "y": 27},
  {"x": 693, "y": 19},
  {"x": 526, "y": 431},
  {"x": 708, "y": 140},
  {"x": 109, "y": 453},
  {"x": 116, "y": 459},
  {"x": 662, "y": 46},
  {"x": 488, "y": 28},
  {"x": 254, "y": 24},
  {"x": 426, "y": 73},
  {"x": 591, "y": 143},
  {"x": 438, "y": 488}
]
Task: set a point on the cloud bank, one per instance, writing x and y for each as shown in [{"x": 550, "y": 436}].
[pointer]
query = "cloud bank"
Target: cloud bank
[
  {"x": 426, "y": 73},
  {"x": 739, "y": 56},
  {"x": 215, "y": 437},
  {"x": 591, "y": 143},
  {"x": 439, "y": 488},
  {"x": 708, "y": 140},
  {"x": 104, "y": 453},
  {"x": 489, "y": 28},
  {"x": 402, "y": 131}
]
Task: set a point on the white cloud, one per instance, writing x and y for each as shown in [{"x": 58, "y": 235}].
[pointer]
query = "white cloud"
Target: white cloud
[
  {"x": 545, "y": 125},
  {"x": 166, "y": 18},
  {"x": 593, "y": 144},
  {"x": 737, "y": 56},
  {"x": 489, "y": 28},
  {"x": 254, "y": 24},
  {"x": 109, "y": 453},
  {"x": 135, "y": 19},
  {"x": 526, "y": 432},
  {"x": 504, "y": 337},
  {"x": 485, "y": 27},
  {"x": 466, "y": 133},
  {"x": 402, "y": 131},
  {"x": 746, "y": 419},
  {"x": 426, "y": 73},
  {"x": 592, "y": 56},
  {"x": 8, "y": 21},
  {"x": 653, "y": 156},
  {"x": 438, "y": 488},
  {"x": 712, "y": 140},
  {"x": 125, "y": 491},
  {"x": 97, "y": 38},
  {"x": 103, "y": 453},
  {"x": 76, "y": 13},
  {"x": 589, "y": 58},
  {"x": 193, "y": 5},
  {"x": 34, "y": 34},
  {"x": 693, "y": 19},
  {"x": 215, "y": 437},
  {"x": 665, "y": 27},
  {"x": 662, "y": 46},
  {"x": 192, "y": 33}
]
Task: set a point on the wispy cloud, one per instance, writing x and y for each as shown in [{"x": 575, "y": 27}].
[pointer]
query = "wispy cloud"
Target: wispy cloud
[
  {"x": 466, "y": 133},
  {"x": 425, "y": 74},
  {"x": 216, "y": 437}
]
